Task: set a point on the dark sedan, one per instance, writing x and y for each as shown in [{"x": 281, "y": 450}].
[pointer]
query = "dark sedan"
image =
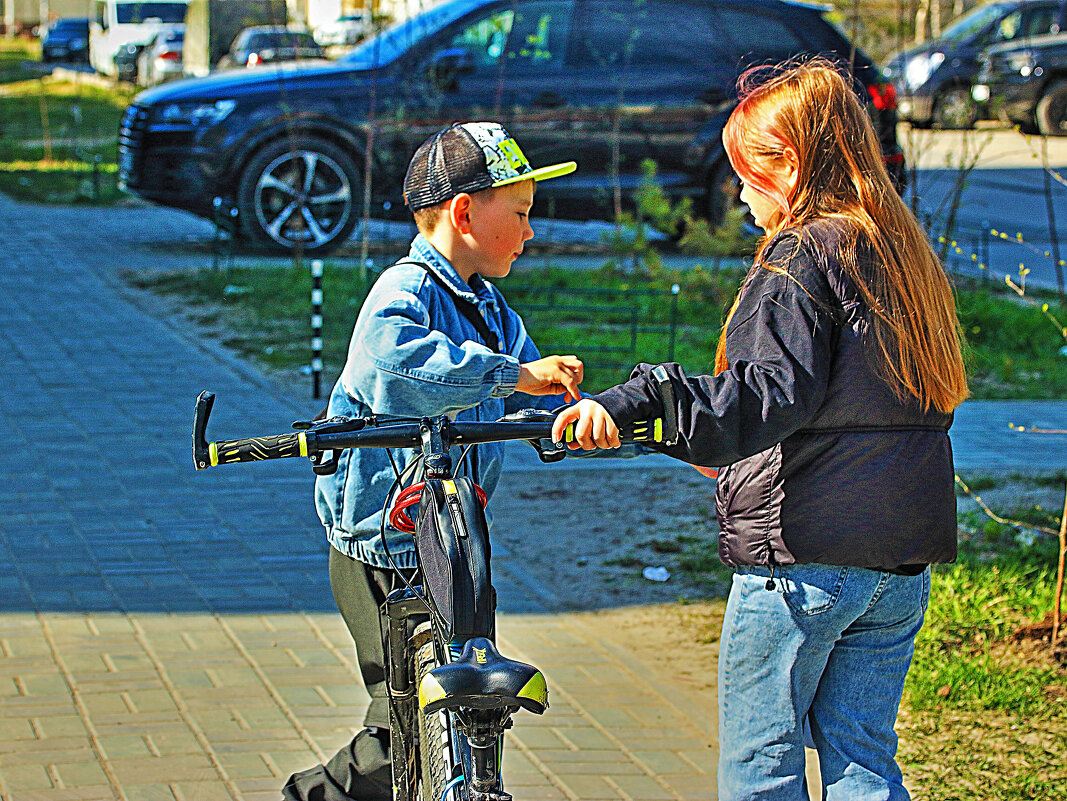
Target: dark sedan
[
  {"x": 1026, "y": 84},
  {"x": 266, "y": 44},
  {"x": 66, "y": 39},
  {"x": 934, "y": 79},
  {"x": 608, "y": 83}
]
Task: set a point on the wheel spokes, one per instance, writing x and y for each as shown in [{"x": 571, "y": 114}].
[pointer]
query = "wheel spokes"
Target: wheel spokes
[
  {"x": 311, "y": 163},
  {"x": 275, "y": 226},
  {"x": 313, "y": 225}
]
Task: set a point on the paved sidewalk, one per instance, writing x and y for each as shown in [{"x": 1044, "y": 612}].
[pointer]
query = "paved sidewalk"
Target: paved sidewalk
[{"x": 167, "y": 634}]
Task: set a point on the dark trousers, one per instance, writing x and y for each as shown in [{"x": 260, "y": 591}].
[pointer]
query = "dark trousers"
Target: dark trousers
[{"x": 362, "y": 769}]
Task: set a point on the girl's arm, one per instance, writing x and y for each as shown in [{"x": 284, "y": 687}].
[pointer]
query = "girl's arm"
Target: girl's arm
[{"x": 779, "y": 344}]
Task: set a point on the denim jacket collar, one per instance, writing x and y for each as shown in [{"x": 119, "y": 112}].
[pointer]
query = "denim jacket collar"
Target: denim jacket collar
[{"x": 477, "y": 291}]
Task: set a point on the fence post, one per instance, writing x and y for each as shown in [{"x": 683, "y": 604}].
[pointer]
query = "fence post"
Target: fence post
[
  {"x": 675, "y": 289},
  {"x": 316, "y": 328}
]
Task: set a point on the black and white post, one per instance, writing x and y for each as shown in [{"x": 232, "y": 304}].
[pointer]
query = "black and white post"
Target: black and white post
[{"x": 316, "y": 328}]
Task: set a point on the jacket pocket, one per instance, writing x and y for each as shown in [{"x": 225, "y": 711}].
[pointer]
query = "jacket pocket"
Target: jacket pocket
[{"x": 811, "y": 589}]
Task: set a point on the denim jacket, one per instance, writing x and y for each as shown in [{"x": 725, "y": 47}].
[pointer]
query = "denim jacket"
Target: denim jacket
[{"x": 414, "y": 354}]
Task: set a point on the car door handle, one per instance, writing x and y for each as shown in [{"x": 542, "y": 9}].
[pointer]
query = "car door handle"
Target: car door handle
[{"x": 548, "y": 100}]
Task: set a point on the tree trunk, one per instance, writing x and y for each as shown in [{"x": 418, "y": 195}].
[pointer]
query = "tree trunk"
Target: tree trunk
[{"x": 922, "y": 13}]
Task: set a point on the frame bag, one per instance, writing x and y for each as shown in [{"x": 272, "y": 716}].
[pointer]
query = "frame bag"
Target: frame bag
[{"x": 452, "y": 546}]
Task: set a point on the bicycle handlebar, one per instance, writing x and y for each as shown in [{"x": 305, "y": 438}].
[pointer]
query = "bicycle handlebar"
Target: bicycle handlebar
[{"x": 340, "y": 433}]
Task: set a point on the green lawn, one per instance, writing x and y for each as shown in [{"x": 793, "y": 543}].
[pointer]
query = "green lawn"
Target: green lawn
[
  {"x": 53, "y": 131},
  {"x": 1013, "y": 351}
]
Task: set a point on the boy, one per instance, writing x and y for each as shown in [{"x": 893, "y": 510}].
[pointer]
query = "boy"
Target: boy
[{"x": 432, "y": 338}]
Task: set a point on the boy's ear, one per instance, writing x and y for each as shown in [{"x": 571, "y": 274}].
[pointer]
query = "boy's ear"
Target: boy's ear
[{"x": 459, "y": 212}]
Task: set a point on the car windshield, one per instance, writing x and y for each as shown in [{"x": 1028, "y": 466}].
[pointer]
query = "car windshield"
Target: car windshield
[
  {"x": 71, "y": 25},
  {"x": 128, "y": 13},
  {"x": 281, "y": 39},
  {"x": 390, "y": 44},
  {"x": 973, "y": 23}
]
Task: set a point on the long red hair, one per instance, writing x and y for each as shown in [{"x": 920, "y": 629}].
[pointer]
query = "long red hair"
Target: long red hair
[{"x": 810, "y": 108}]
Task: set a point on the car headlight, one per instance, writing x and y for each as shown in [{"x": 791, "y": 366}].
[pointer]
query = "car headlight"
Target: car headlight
[
  {"x": 1021, "y": 62},
  {"x": 920, "y": 68},
  {"x": 196, "y": 113},
  {"x": 77, "y": 44}
]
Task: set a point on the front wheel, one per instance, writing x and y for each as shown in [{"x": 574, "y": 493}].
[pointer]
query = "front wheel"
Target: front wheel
[
  {"x": 954, "y": 110},
  {"x": 299, "y": 193},
  {"x": 433, "y": 736},
  {"x": 1052, "y": 110}
]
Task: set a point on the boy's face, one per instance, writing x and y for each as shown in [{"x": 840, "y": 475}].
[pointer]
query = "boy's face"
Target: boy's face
[{"x": 500, "y": 226}]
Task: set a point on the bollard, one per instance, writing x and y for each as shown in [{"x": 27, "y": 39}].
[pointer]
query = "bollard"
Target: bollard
[{"x": 316, "y": 328}]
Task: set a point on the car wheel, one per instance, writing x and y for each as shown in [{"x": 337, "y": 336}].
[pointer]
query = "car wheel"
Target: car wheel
[
  {"x": 954, "y": 110},
  {"x": 299, "y": 193},
  {"x": 1052, "y": 110},
  {"x": 723, "y": 190}
]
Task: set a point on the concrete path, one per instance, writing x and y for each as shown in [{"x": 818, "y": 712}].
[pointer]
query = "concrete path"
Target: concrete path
[{"x": 167, "y": 634}]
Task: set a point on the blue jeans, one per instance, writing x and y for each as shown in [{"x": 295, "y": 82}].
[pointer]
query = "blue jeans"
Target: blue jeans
[{"x": 828, "y": 644}]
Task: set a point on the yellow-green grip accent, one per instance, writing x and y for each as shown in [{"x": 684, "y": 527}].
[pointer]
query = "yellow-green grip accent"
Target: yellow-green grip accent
[
  {"x": 257, "y": 449},
  {"x": 638, "y": 432}
]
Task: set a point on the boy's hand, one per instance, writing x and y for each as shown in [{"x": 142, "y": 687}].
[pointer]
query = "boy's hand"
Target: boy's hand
[
  {"x": 593, "y": 426},
  {"x": 552, "y": 375}
]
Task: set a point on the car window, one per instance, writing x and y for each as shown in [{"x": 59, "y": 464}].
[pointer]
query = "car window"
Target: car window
[
  {"x": 1039, "y": 21},
  {"x": 973, "y": 23},
  {"x": 127, "y": 13},
  {"x": 1008, "y": 27},
  {"x": 530, "y": 37},
  {"x": 759, "y": 38},
  {"x": 646, "y": 34}
]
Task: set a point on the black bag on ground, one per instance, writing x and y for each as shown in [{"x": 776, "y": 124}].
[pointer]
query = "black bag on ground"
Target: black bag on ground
[{"x": 452, "y": 546}]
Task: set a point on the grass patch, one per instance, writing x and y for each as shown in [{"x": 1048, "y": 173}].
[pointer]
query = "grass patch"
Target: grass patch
[
  {"x": 1012, "y": 349},
  {"x": 13, "y": 52},
  {"x": 1013, "y": 352},
  {"x": 51, "y": 133},
  {"x": 984, "y": 714}
]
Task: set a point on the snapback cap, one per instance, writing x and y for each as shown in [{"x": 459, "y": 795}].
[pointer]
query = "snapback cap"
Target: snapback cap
[{"x": 469, "y": 157}]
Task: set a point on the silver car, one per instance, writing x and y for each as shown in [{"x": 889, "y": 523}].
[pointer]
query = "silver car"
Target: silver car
[{"x": 161, "y": 59}]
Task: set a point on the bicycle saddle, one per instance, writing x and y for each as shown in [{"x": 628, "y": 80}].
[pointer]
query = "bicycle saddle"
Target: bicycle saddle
[{"x": 483, "y": 679}]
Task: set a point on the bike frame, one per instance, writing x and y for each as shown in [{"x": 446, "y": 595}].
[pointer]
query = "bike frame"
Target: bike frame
[{"x": 470, "y": 722}]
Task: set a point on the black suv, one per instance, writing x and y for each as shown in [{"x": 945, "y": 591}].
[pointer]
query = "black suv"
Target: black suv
[
  {"x": 1026, "y": 84},
  {"x": 933, "y": 80},
  {"x": 605, "y": 82}
]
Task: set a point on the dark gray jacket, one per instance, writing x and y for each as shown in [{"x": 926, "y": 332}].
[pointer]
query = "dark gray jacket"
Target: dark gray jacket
[{"x": 823, "y": 463}]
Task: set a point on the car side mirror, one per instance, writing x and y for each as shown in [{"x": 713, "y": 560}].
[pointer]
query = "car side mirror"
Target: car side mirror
[{"x": 447, "y": 66}]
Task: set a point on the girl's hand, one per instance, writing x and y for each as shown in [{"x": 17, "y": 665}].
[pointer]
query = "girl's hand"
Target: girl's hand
[
  {"x": 593, "y": 426},
  {"x": 552, "y": 375}
]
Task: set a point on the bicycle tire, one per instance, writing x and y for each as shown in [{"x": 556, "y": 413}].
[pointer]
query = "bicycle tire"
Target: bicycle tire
[{"x": 433, "y": 737}]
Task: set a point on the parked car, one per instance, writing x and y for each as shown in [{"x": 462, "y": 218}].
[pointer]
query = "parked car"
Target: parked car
[
  {"x": 344, "y": 31},
  {"x": 1026, "y": 84},
  {"x": 66, "y": 39},
  {"x": 606, "y": 82},
  {"x": 266, "y": 44},
  {"x": 161, "y": 59},
  {"x": 122, "y": 28},
  {"x": 933, "y": 80}
]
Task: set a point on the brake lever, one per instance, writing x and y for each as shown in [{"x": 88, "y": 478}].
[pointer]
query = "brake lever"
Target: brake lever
[{"x": 334, "y": 425}]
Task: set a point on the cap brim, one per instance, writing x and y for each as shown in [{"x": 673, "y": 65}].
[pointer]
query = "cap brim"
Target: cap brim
[{"x": 542, "y": 173}]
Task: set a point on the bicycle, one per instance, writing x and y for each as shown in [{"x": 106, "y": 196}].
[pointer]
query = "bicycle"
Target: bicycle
[{"x": 451, "y": 693}]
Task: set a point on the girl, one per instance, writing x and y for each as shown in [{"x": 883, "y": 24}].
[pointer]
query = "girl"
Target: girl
[{"x": 836, "y": 376}]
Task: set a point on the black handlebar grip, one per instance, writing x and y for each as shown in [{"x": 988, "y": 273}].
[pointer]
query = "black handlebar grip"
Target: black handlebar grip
[{"x": 256, "y": 449}]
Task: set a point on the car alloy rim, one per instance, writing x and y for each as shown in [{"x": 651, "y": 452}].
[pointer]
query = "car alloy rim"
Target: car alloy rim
[
  {"x": 956, "y": 109},
  {"x": 303, "y": 197}
]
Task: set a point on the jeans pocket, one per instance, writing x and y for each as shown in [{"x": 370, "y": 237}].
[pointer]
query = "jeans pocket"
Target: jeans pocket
[{"x": 811, "y": 589}]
